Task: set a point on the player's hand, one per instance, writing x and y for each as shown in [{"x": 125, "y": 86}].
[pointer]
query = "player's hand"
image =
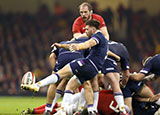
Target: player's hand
[
  {"x": 118, "y": 58},
  {"x": 56, "y": 45},
  {"x": 73, "y": 47},
  {"x": 122, "y": 85},
  {"x": 154, "y": 98}
]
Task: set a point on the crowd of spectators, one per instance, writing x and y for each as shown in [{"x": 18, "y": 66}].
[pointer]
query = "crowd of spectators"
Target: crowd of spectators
[{"x": 25, "y": 41}]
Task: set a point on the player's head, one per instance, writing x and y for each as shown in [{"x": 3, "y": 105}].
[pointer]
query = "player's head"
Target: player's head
[
  {"x": 144, "y": 61},
  {"x": 85, "y": 10},
  {"x": 91, "y": 27}
]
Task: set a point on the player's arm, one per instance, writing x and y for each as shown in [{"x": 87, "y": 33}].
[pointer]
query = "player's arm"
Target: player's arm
[
  {"x": 105, "y": 32},
  {"x": 52, "y": 59},
  {"x": 113, "y": 55},
  {"x": 73, "y": 47},
  {"x": 79, "y": 35},
  {"x": 148, "y": 99},
  {"x": 137, "y": 76}
]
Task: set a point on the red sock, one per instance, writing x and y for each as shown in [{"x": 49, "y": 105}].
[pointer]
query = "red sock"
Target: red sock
[
  {"x": 55, "y": 106},
  {"x": 53, "y": 111},
  {"x": 40, "y": 107},
  {"x": 39, "y": 111}
]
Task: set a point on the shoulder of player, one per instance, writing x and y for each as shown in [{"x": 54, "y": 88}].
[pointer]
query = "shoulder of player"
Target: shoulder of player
[
  {"x": 96, "y": 16},
  {"x": 78, "y": 20}
]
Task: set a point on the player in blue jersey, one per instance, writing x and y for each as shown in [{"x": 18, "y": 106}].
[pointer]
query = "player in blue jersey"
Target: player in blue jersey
[
  {"x": 150, "y": 65},
  {"x": 84, "y": 68},
  {"x": 58, "y": 58},
  {"x": 141, "y": 97},
  {"x": 63, "y": 57},
  {"x": 112, "y": 74}
]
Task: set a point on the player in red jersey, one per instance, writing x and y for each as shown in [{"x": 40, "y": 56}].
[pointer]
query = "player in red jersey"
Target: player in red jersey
[{"x": 86, "y": 13}]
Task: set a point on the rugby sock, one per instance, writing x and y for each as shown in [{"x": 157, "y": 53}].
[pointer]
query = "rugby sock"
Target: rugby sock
[
  {"x": 158, "y": 102},
  {"x": 67, "y": 98},
  {"x": 82, "y": 99},
  {"x": 90, "y": 108},
  {"x": 76, "y": 98},
  {"x": 55, "y": 106},
  {"x": 58, "y": 94},
  {"x": 48, "y": 107},
  {"x": 40, "y": 107},
  {"x": 120, "y": 101},
  {"x": 96, "y": 97},
  {"x": 39, "y": 111},
  {"x": 48, "y": 80},
  {"x": 53, "y": 111}
]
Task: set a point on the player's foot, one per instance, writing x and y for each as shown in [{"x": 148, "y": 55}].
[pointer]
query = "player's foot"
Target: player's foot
[
  {"x": 33, "y": 87},
  {"x": 28, "y": 111},
  {"x": 47, "y": 112}
]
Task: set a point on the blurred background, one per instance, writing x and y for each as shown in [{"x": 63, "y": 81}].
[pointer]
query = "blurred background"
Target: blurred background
[{"x": 29, "y": 27}]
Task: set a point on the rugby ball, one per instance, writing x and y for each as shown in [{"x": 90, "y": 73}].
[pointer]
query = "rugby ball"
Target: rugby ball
[{"x": 28, "y": 78}]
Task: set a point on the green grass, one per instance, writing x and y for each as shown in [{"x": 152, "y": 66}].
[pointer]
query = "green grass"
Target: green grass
[{"x": 15, "y": 105}]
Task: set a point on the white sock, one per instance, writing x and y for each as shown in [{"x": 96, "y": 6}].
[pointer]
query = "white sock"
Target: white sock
[
  {"x": 48, "y": 107},
  {"x": 158, "y": 102},
  {"x": 48, "y": 80},
  {"x": 67, "y": 98},
  {"x": 58, "y": 94},
  {"x": 96, "y": 97},
  {"x": 90, "y": 108},
  {"x": 82, "y": 99},
  {"x": 120, "y": 101},
  {"x": 76, "y": 98}
]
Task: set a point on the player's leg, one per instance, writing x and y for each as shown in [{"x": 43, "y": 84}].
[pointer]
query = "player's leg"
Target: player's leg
[
  {"x": 113, "y": 79},
  {"x": 69, "y": 91},
  {"x": 128, "y": 102},
  {"x": 68, "y": 96},
  {"x": 95, "y": 87},
  {"x": 54, "y": 78},
  {"x": 145, "y": 92},
  {"x": 59, "y": 90},
  {"x": 88, "y": 95},
  {"x": 50, "y": 96}
]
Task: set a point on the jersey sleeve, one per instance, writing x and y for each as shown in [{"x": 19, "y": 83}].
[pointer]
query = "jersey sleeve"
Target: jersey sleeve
[
  {"x": 55, "y": 50},
  {"x": 125, "y": 59},
  {"x": 96, "y": 39},
  {"x": 125, "y": 64},
  {"x": 146, "y": 68}
]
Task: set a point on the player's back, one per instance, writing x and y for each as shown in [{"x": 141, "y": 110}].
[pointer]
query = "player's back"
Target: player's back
[
  {"x": 152, "y": 65},
  {"x": 120, "y": 50},
  {"x": 65, "y": 56}
]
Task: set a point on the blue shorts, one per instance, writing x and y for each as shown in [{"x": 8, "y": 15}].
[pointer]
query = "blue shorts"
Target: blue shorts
[
  {"x": 109, "y": 66},
  {"x": 83, "y": 69},
  {"x": 132, "y": 88},
  {"x": 66, "y": 58}
]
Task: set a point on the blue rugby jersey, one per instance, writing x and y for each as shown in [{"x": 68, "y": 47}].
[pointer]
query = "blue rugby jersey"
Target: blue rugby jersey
[
  {"x": 120, "y": 50},
  {"x": 152, "y": 66},
  {"x": 98, "y": 52}
]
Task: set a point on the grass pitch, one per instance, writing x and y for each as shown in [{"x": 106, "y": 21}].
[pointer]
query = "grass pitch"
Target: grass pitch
[{"x": 12, "y": 105}]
